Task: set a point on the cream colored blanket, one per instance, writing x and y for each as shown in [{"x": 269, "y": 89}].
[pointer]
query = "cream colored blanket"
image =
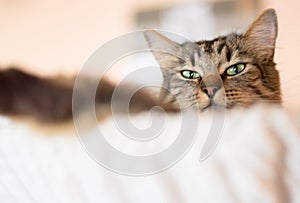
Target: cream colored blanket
[{"x": 256, "y": 160}]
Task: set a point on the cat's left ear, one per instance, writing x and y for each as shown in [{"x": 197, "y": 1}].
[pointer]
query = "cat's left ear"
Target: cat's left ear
[
  {"x": 261, "y": 35},
  {"x": 164, "y": 50}
]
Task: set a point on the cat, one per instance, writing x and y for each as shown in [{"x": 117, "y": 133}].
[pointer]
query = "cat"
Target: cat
[{"x": 228, "y": 71}]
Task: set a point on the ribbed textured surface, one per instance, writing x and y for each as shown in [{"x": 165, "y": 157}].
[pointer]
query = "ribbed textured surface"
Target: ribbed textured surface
[{"x": 257, "y": 160}]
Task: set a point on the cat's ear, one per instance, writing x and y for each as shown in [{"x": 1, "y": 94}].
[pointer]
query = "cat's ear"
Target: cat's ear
[
  {"x": 166, "y": 51},
  {"x": 262, "y": 33}
]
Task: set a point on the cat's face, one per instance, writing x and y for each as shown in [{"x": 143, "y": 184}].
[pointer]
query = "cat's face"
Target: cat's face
[{"x": 234, "y": 70}]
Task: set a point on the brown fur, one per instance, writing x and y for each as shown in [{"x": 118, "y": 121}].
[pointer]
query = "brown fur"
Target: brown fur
[{"x": 48, "y": 100}]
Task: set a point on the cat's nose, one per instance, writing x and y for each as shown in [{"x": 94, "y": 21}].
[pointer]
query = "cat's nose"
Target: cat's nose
[
  {"x": 210, "y": 91},
  {"x": 210, "y": 85}
]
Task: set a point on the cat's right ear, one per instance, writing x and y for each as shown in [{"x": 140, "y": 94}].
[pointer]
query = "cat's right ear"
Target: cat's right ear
[
  {"x": 166, "y": 51},
  {"x": 261, "y": 35}
]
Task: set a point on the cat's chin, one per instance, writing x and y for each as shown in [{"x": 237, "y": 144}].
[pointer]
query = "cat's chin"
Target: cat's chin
[{"x": 213, "y": 107}]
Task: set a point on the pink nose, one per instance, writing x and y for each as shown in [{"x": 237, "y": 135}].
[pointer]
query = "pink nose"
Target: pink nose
[
  {"x": 210, "y": 85},
  {"x": 210, "y": 91}
]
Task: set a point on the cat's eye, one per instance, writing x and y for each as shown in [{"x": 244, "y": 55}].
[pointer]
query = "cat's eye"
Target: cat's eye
[
  {"x": 189, "y": 74},
  {"x": 235, "y": 69}
]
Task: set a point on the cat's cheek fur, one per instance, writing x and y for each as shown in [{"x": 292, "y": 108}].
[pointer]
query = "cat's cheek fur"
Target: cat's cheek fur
[{"x": 203, "y": 100}]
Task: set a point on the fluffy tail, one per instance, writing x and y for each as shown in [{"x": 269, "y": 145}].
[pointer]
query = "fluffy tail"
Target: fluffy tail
[{"x": 49, "y": 100}]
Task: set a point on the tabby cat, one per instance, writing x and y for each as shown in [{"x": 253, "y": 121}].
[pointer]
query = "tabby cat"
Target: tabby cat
[{"x": 228, "y": 71}]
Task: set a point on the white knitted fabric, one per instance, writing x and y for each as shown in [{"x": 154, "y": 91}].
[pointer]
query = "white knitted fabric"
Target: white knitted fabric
[{"x": 256, "y": 160}]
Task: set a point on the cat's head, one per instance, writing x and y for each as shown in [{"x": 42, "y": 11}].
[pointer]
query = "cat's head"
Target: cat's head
[{"x": 231, "y": 70}]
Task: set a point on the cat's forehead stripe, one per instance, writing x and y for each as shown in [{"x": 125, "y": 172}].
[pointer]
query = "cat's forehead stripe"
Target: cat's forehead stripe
[
  {"x": 228, "y": 53},
  {"x": 220, "y": 47},
  {"x": 192, "y": 58}
]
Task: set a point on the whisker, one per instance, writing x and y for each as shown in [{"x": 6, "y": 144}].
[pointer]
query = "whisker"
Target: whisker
[
  {"x": 258, "y": 100},
  {"x": 255, "y": 96},
  {"x": 194, "y": 103},
  {"x": 274, "y": 93},
  {"x": 241, "y": 101},
  {"x": 189, "y": 99},
  {"x": 253, "y": 99}
]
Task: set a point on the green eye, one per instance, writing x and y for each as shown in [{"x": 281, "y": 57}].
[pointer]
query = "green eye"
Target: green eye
[
  {"x": 235, "y": 69},
  {"x": 188, "y": 74}
]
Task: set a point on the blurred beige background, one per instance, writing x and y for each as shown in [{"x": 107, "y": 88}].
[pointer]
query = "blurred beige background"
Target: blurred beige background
[{"x": 51, "y": 37}]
